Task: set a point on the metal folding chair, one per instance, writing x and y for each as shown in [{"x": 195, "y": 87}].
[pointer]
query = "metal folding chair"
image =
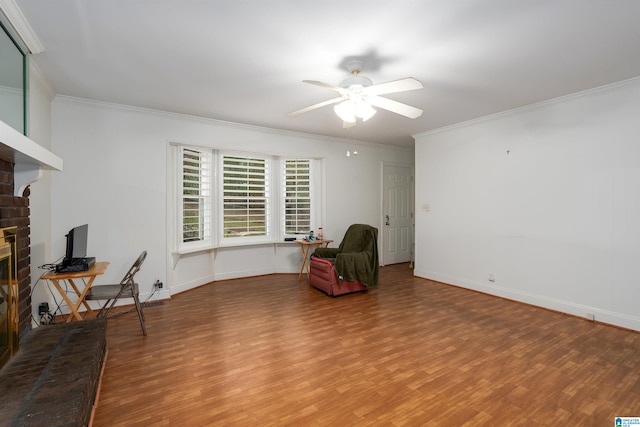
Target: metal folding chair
[{"x": 127, "y": 288}]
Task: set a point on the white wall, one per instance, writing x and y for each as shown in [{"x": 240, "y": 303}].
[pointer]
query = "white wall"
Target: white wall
[
  {"x": 39, "y": 124},
  {"x": 546, "y": 198},
  {"x": 115, "y": 179}
]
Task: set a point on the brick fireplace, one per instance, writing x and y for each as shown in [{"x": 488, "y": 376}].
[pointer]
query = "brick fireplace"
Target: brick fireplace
[
  {"x": 22, "y": 162},
  {"x": 14, "y": 212}
]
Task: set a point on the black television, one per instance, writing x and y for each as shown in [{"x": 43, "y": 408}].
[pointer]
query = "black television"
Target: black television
[
  {"x": 77, "y": 243},
  {"x": 75, "y": 257}
]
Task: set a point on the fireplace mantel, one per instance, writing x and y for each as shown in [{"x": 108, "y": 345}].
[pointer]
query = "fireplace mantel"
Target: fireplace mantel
[{"x": 29, "y": 157}]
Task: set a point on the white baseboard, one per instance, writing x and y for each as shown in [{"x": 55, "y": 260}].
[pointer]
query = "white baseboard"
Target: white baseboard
[
  {"x": 182, "y": 287},
  {"x": 568, "y": 307}
]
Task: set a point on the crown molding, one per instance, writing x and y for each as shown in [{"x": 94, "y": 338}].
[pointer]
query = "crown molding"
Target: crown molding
[
  {"x": 22, "y": 27},
  {"x": 634, "y": 81},
  {"x": 67, "y": 99}
]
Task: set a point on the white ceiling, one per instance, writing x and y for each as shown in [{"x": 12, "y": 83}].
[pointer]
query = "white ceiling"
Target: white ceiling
[{"x": 244, "y": 60}]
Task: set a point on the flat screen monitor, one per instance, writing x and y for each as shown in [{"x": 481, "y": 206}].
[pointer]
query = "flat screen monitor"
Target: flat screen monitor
[{"x": 77, "y": 242}]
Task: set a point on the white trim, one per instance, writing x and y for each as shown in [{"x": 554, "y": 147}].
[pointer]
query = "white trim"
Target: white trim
[
  {"x": 20, "y": 24},
  {"x": 176, "y": 289},
  {"x": 629, "y": 82},
  {"x": 25, "y": 150},
  {"x": 167, "y": 114},
  {"x": 568, "y": 307}
]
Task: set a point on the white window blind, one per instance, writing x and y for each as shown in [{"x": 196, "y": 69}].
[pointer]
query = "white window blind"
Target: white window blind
[
  {"x": 245, "y": 192},
  {"x": 196, "y": 195},
  {"x": 297, "y": 196},
  {"x": 233, "y": 198}
]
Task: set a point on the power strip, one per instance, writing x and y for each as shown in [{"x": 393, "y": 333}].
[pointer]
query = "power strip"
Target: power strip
[{"x": 152, "y": 303}]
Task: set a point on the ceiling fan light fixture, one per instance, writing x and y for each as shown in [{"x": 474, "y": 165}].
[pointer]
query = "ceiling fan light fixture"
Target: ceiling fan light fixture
[
  {"x": 358, "y": 96},
  {"x": 356, "y": 83},
  {"x": 352, "y": 109},
  {"x": 346, "y": 110},
  {"x": 364, "y": 110}
]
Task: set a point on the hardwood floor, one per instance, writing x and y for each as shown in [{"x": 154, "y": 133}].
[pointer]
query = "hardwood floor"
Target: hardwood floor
[{"x": 268, "y": 351}]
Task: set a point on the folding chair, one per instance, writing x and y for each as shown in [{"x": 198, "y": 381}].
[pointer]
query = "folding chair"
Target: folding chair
[{"x": 127, "y": 288}]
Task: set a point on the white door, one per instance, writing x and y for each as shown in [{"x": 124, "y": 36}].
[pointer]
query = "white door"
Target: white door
[{"x": 397, "y": 211}]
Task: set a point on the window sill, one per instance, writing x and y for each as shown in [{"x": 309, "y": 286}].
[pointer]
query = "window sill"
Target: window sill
[
  {"x": 225, "y": 245},
  {"x": 187, "y": 251}
]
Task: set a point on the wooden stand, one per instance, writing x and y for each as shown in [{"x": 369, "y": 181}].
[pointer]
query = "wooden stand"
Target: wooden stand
[
  {"x": 97, "y": 269},
  {"x": 305, "y": 246}
]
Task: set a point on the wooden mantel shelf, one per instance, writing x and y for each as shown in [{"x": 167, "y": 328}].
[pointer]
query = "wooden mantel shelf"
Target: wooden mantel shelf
[{"x": 29, "y": 157}]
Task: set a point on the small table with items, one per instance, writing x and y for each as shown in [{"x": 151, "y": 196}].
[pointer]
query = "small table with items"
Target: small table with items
[
  {"x": 305, "y": 246},
  {"x": 97, "y": 269}
]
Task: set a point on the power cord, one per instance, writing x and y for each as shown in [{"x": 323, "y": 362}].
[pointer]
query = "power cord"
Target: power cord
[{"x": 46, "y": 317}]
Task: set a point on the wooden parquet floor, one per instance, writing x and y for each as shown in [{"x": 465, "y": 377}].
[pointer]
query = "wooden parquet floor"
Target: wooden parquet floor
[{"x": 268, "y": 351}]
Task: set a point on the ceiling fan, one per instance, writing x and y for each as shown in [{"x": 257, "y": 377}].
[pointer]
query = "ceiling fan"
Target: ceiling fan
[{"x": 358, "y": 96}]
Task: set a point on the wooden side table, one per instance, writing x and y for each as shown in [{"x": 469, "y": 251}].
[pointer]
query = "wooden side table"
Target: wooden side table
[
  {"x": 305, "y": 246},
  {"x": 97, "y": 269}
]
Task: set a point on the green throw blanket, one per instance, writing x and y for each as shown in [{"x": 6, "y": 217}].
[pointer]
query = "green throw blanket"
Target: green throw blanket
[{"x": 357, "y": 256}]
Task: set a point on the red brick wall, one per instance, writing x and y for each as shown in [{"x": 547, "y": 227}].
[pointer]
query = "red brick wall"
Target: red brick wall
[{"x": 14, "y": 211}]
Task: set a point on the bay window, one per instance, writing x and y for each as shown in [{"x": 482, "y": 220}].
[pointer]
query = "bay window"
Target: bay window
[
  {"x": 229, "y": 198},
  {"x": 196, "y": 197},
  {"x": 296, "y": 207},
  {"x": 245, "y": 196}
]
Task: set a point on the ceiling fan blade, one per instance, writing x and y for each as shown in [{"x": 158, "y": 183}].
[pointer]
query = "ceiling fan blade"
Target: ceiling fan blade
[
  {"x": 324, "y": 85},
  {"x": 395, "y": 107},
  {"x": 401, "y": 85},
  {"x": 313, "y": 107}
]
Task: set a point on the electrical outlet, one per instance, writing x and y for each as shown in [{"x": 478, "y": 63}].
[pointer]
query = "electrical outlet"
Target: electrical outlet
[
  {"x": 158, "y": 284},
  {"x": 492, "y": 277},
  {"x": 43, "y": 308}
]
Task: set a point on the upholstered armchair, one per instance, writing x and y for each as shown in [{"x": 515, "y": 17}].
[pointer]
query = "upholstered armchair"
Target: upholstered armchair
[{"x": 351, "y": 267}]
